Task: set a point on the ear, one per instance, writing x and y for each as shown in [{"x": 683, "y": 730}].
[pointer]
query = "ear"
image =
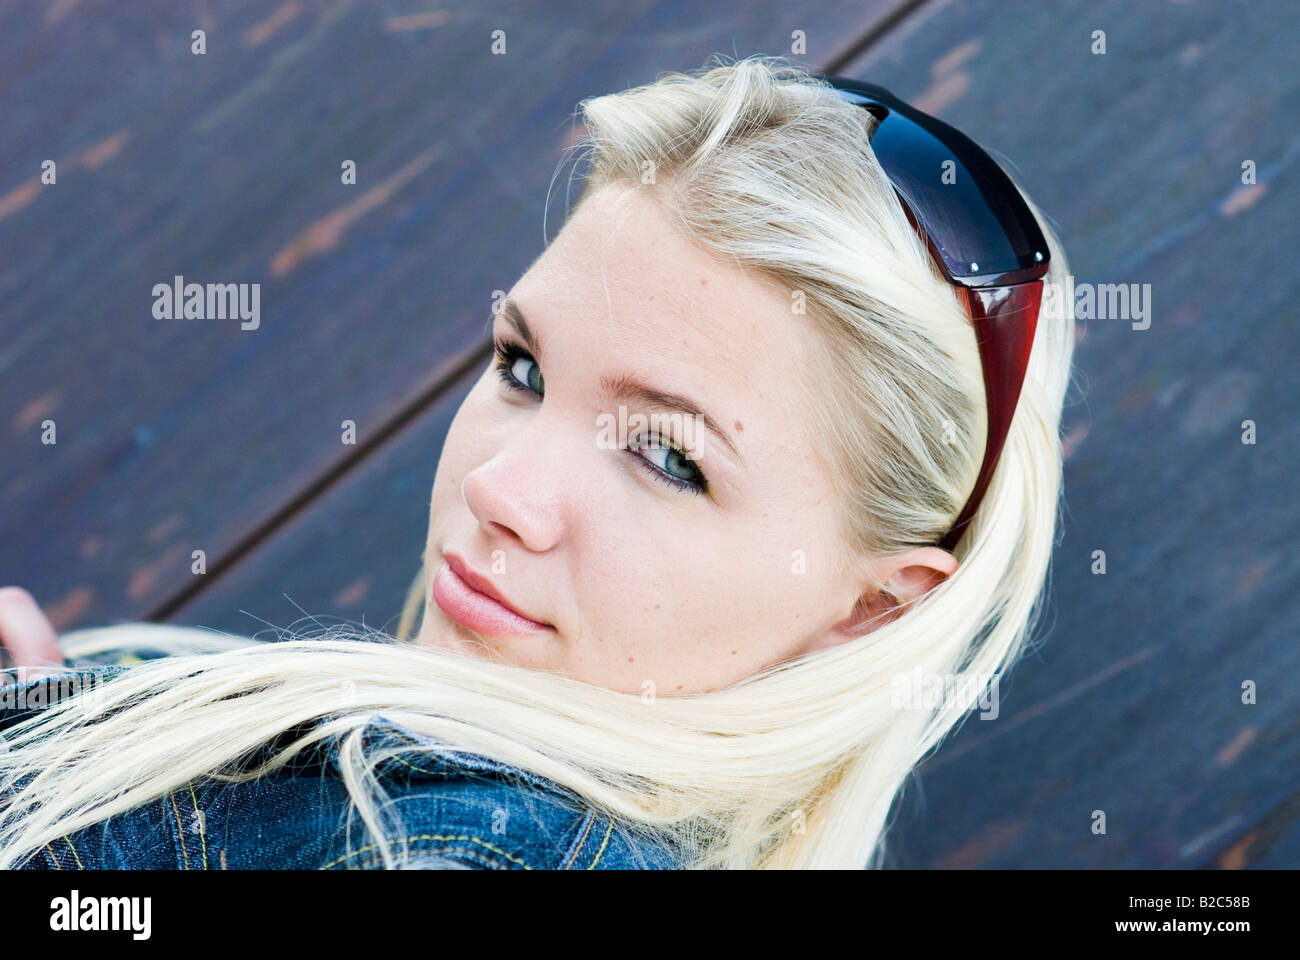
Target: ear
[{"x": 891, "y": 586}]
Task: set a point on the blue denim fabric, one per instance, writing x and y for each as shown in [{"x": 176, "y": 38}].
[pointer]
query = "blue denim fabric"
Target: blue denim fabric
[{"x": 452, "y": 810}]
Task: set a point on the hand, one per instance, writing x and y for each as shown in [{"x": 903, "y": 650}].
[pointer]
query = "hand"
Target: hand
[{"x": 27, "y": 638}]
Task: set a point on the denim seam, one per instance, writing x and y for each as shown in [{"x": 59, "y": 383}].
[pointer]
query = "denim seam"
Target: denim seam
[
  {"x": 526, "y": 775},
  {"x": 475, "y": 855},
  {"x": 431, "y": 836},
  {"x": 603, "y": 843},
  {"x": 413, "y": 743},
  {"x": 577, "y": 847},
  {"x": 180, "y": 830},
  {"x": 73, "y": 847},
  {"x": 53, "y": 859},
  {"x": 203, "y": 834},
  {"x": 436, "y": 773}
]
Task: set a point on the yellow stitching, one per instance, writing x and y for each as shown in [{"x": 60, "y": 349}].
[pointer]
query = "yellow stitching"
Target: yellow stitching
[
  {"x": 436, "y": 773},
  {"x": 53, "y": 857},
  {"x": 431, "y": 836},
  {"x": 416, "y": 743},
  {"x": 568, "y": 864},
  {"x": 608, "y": 831},
  {"x": 171, "y": 795},
  {"x": 409, "y": 742},
  {"x": 472, "y": 854},
  {"x": 412, "y": 743},
  {"x": 427, "y": 836},
  {"x": 74, "y": 852},
  {"x": 203, "y": 835}
]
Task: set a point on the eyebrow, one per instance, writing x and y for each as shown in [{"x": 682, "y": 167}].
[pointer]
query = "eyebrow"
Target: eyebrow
[{"x": 627, "y": 388}]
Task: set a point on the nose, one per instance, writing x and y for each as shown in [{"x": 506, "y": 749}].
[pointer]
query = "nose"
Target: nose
[{"x": 518, "y": 494}]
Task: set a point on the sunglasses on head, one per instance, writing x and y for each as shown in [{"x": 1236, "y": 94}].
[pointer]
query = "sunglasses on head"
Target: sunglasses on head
[{"x": 983, "y": 236}]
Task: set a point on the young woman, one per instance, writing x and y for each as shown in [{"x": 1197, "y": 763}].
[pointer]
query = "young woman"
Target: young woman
[{"x": 701, "y": 621}]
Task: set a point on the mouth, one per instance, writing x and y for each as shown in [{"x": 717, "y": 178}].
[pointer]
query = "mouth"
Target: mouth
[{"x": 473, "y": 602}]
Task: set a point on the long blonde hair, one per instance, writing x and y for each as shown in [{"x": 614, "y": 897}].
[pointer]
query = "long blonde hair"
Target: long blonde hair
[{"x": 797, "y": 766}]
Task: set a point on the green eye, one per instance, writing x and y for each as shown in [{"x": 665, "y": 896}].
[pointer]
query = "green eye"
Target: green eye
[
  {"x": 674, "y": 460},
  {"x": 676, "y": 469},
  {"x": 508, "y": 358}
]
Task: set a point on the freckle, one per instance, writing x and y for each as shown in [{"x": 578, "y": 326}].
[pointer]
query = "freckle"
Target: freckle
[
  {"x": 679, "y": 686},
  {"x": 740, "y": 427},
  {"x": 631, "y": 660},
  {"x": 656, "y": 606},
  {"x": 733, "y": 653}
]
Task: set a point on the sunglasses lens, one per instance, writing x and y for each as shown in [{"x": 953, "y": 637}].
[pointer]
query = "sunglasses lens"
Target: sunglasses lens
[
  {"x": 986, "y": 238},
  {"x": 980, "y": 226}
]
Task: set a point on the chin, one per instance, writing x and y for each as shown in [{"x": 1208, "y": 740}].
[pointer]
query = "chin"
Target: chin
[{"x": 442, "y": 633}]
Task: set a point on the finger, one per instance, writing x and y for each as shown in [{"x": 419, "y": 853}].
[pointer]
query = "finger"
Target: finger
[{"x": 25, "y": 631}]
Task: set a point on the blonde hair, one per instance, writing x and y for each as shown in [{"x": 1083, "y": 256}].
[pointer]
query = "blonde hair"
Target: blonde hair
[{"x": 795, "y": 767}]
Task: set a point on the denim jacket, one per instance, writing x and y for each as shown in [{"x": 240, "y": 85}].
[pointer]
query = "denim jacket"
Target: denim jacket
[{"x": 454, "y": 810}]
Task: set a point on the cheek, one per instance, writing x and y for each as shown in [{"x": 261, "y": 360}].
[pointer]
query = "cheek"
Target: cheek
[
  {"x": 684, "y": 622},
  {"x": 467, "y": 444},
  {"x": 679, "y": 596},
  {"x": 754, "y": 587}
]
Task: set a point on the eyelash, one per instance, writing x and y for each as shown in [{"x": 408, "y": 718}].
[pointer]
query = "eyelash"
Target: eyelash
[{"x": 507, "y": 353}]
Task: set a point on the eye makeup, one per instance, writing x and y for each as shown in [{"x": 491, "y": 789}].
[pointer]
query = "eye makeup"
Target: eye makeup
[{"x": 508, "y": 354}]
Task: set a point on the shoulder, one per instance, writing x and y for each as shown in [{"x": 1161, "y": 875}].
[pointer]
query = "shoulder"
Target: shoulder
[
  {"x": 25, "y": 691},
  {"x": 443, "y": 808},
  {"x": 481, "y": 812}
]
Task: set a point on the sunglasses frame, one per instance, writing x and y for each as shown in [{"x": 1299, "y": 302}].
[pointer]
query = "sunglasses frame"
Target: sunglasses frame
[{"x": 983, "y": 236}]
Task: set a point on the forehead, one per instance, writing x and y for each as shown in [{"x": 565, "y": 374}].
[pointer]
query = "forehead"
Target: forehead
[{"x": 626, "y": 277}]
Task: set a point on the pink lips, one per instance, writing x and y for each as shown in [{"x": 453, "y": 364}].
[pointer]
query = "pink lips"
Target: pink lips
[{"x": 476, "y": 610}]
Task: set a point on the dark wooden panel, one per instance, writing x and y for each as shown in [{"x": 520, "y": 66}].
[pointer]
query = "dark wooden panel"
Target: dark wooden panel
[
  {"x": 175, "y": 435},
  {"x": 351, "y": 555},
  {"x": 1132, "y": 704}
]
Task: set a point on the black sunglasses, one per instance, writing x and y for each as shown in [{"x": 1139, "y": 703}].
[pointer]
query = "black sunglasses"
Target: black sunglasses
[{"x": 984, "y": 237}]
